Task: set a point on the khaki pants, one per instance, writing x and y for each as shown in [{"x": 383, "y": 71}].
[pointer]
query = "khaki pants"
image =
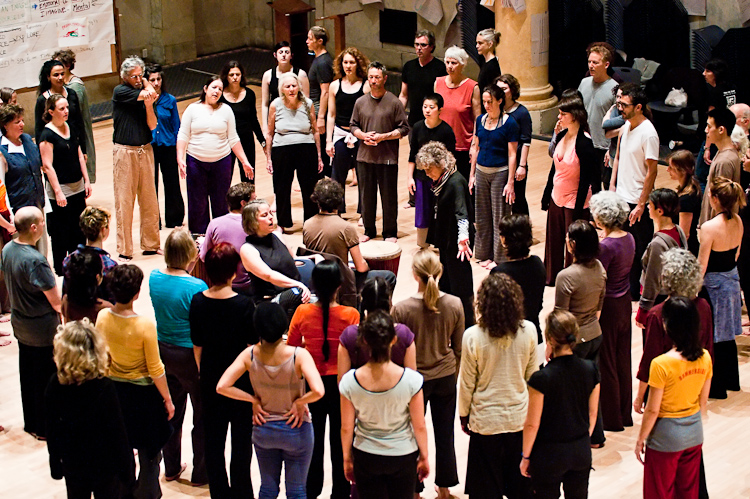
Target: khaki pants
[{"x": 133, "y": 172}]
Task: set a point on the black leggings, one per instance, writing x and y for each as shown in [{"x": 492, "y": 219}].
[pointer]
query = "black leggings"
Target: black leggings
[{"x": 64, "y": 228}]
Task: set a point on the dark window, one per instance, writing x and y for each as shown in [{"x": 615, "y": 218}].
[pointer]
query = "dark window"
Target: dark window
[{"x": 398, "y": 27}]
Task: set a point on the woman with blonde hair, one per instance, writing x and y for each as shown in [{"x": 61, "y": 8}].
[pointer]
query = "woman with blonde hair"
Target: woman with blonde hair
[
  {"x": 487, "y": 42},
  {"x": 172, "y": 291},
  {"x": 498, "y": 358},
  {"x": 437, "y": 320},
  {"x": 86, "y": 436},
  {"x": 349, "y": 84},
  {"x": 721, "y": 238},
  {"x": 292, "y": 144},
  {"x": 463, "y": 104}
]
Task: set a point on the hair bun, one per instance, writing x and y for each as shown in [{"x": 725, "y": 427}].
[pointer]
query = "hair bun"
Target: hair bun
[{"x": 571, "y": 338}]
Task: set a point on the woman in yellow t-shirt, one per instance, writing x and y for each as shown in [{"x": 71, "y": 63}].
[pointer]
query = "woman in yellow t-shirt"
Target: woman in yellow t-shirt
[{"x": 671, "y": 434}]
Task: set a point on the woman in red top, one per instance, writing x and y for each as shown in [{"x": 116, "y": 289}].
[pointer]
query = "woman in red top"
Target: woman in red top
[
  {"x": 463, "y": 103},
  {"x": 317, "y": 327}
]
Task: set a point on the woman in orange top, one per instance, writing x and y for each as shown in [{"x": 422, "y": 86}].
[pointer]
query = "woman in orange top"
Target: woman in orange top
[
  {"x": 317, "y": 327},
  {"x": 671, "y": 435}
]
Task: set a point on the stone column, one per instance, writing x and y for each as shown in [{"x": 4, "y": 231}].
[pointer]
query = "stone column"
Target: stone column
[{"x": 517, "y": 56}]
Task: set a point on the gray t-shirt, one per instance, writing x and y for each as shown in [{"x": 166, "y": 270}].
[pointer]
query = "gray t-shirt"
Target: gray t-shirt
[
  {"x": 292, "y": 126},
  {"x": 28, "y": 276},
  {"x": 383, "y": 423},
  {"x": 597, "y": 99}
]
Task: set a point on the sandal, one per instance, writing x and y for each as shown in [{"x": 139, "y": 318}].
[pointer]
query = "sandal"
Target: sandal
[{"x": 124, "y": 258}]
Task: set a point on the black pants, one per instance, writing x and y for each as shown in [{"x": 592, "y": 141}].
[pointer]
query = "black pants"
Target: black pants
[
  {"x": 103, "y": 487},
  {"x": 64, "y": 228},
  {"x": 218, "y": 413},
  {"x": 726, "y": 369},
  {"x": 521, "y": 206},
  {"x": 589, "y": 350},
  {"x": 575, "y": 483},
  {"x": 372, "y": 177},
  {"x": 458, "y": 280},
  {"x": 463, "y": 165},
  {"x": 600, "y": 153},
  {"x": 441, "y": 395},
  {"x": 344, "y": 159},
  {"x": 385, "y": 477},
  {"x": 329, "y": 407},
  {"x": 182, "y": 378},
  {"x": 492, "y": 468},
  {"x": 302, "y": 158},
  {"x": 165, "y": 159},
  {"x": 643, "y": 232},
  {"x": 35, "y": 368}
]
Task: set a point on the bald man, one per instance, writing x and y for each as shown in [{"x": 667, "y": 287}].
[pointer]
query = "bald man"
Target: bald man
[{"x": 35, "y": 314}]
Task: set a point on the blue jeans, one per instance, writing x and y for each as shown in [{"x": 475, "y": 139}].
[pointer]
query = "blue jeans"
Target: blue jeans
[{"x": 275, "y": 443}]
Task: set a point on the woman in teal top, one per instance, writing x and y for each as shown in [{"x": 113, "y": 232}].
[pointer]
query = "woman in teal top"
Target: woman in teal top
[{"x": 172, "y": 290}]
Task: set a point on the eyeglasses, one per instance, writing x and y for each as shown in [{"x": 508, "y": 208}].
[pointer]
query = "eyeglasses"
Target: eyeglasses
[
  {"x": 135, "y": 77},
  {"x": 622, "y": 105},
  {"x": 421, "y": 45}
]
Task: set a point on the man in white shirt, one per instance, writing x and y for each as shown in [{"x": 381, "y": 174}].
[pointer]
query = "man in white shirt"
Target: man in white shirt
[{"x": 634, "y": 172}]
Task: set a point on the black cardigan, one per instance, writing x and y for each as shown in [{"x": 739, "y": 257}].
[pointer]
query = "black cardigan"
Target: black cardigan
[{"x": 590, "y": 172}]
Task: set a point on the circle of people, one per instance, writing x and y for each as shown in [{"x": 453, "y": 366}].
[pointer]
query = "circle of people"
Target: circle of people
[{"x": 273, "y": 345}]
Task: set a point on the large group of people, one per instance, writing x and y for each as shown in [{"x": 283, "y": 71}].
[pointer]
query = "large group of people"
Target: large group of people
[{"x": 278, "y": 345}]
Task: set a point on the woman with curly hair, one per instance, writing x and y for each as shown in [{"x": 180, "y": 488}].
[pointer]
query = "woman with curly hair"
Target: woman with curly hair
[
  {"x": 83, "y": 275},
  {"x": 86, "y": 436},
  {"x": 616, "y": 253},
  {"x": 349, "y": 84},
  {"x": 580, "y": 289},
  {"x": 498, "y": 358}
]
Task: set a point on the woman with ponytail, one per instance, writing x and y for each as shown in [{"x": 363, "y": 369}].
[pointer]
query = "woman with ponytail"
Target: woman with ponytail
[
  {"x": 437, "y": 320},
  {"x": 720, "y": 247},
  {"x": 317, "y": 327},
  {"x": 563, "y": 403}
]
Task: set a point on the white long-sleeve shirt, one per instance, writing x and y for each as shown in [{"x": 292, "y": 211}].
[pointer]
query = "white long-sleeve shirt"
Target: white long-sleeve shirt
[{"x": 210, "y": 133}]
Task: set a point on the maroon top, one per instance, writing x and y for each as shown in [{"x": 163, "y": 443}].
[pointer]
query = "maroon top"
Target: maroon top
[
  {"x": 359, "y": 356},
  {"x": 616, "y": 255},
  {"x": 658, "y": 343}
]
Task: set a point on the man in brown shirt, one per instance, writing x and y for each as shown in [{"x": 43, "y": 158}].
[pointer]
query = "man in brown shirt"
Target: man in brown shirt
[
  {"x": 379, "y": 121},
  {"x": 327, "y": 232},
  {"x": 726, "y": 163}
]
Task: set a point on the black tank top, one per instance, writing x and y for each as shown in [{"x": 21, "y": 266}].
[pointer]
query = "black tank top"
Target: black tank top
[
  {"x": 721, "y": 261},
  {"x": 276, "y": 255},
  {"x": 273, "y": 85},
  {"x": 345, "y": 104}
]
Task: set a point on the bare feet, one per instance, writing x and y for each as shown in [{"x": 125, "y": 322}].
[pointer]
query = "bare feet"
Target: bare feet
[
  {"x": 172, "y": 478},
  {"x": 363, "y": 238},
  {"x": 491, "y": 265},
  {"x": 4, "y": 343},
  {"x": 391, "y": 239},
  {"x": 443, "y": 493},
  {"x": 486, "y": 264},
  {"x": 4, "y": 318}
]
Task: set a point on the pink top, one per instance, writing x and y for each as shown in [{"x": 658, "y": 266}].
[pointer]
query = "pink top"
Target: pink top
[
  {"x": 457, "y": 111},
  {"x": 566, "y": 180}
]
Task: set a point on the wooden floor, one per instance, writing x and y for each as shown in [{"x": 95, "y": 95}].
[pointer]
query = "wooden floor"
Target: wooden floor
[{"x": 24, "y": 471}]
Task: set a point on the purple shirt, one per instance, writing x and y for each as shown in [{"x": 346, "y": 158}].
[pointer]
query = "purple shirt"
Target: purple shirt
[
  {"x": 359, "y": 356},
  {"x": 616, "y": 255},
  {"x": 227, "y": 229}
]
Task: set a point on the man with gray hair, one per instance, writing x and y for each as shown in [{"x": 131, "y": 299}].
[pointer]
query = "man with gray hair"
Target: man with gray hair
[
  {"x": 379, "y": 121},
  {"x": 133, "y": 159},
  {"x": 35, "y": 314}
]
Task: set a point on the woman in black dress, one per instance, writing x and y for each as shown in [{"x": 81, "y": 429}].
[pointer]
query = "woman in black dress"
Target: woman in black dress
[
  {"x": 487, "y": 42},
  {"x": 86, "y": 436},
  {"x": 68, "y": 184},
  {"x": 221, "y": 327},
  {"x": 242, "y": 101},
  {"x": 452, "y": 230},
  {"x": 681, "y": 167}
]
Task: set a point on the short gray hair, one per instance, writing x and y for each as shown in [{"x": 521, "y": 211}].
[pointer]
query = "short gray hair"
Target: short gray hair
[
  {"x": 458, "y": 54},
  {"x": 609, "y": 209},
  {"x": 129, "y": 64},
  {"x": 289, "y": 75},
  {"x": 681, "y": 274},
  {"x": 434, "y": 153}
]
